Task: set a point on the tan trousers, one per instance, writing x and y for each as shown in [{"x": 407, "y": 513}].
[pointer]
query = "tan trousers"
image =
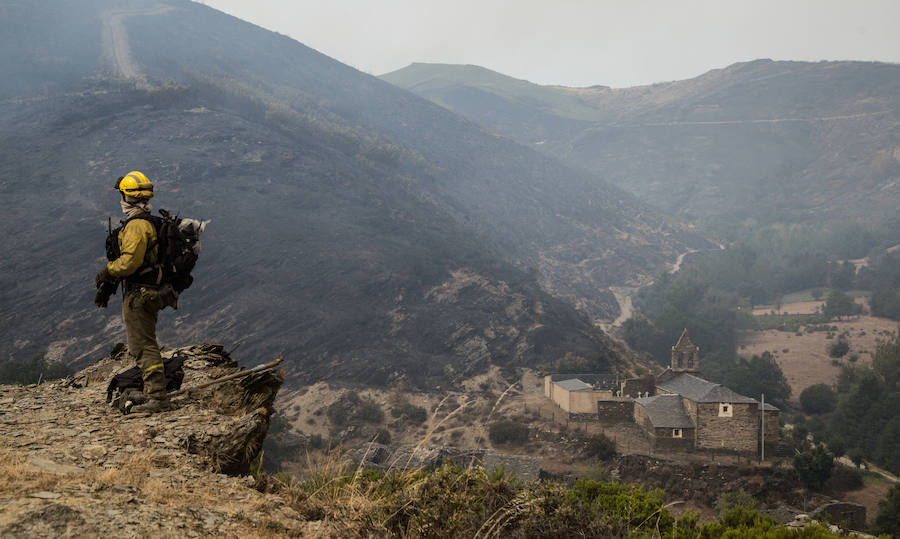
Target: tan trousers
[{"x": 140, "y": 309}]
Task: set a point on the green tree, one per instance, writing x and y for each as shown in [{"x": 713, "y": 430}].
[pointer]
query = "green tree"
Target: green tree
[
  {"x": 886, "y": 362},
  {"x": 507, "y": 431},
  {"x": 814, "y": 467},
  {"x": 836, "y": 446},
  {"x": 887, "y": 448},
  {"x": 601, "y": 446},
  {"x": 731, "y": 499},
  {"x": 839, "y": 349},
  {"x": 838, "y": 304},
  {"x": 818, "y": 399},
  {"x": 643, "y": 336},
  {"x": 760, "y": 374},
  {"x": 885, "y": 302},
  {"x": 888, "y": 519},
  {"x": 855, "y": 455}
]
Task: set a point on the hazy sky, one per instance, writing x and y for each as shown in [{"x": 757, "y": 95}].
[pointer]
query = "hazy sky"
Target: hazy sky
[{"x": 582, "y": 42}]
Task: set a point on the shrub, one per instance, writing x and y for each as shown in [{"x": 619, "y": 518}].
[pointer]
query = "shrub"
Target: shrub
[
  {"x": 601, "y": 447},
  {"x": 814, "y": 467},
  {"x": 837, "y": 446},
  {"x": 415, "y": 414},
  {"x": 338, "y": 413},
  {"x": 368, "y": 410},
  {"x": 510, "y": 432},
  {"x": 316, "y": 441},
  {"x": 627, "y": 503},
  {"x": 351, "y": 407},
  {"x": 818, "y": 399},
  {"x": 730, "y": 500},
  {"x": 855, "y": 454},
  {"x": 382, "y": 437},
  {"x": 839, "y": 349}
]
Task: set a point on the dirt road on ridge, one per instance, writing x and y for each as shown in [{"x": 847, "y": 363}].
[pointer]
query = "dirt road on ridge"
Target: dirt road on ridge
[{"x": 116, "y": 48}]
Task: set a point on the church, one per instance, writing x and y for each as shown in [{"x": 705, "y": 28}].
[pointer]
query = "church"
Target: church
[
  {"x": 679, "y": 409},
  {"x": 688, "y": 412}
]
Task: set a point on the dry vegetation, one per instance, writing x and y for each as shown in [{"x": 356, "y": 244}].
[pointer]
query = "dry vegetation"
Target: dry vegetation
[
  {"x": 454, "y": 418},
  {"x": 804, "y": 357},
  {"x": 146, "y": 491}
]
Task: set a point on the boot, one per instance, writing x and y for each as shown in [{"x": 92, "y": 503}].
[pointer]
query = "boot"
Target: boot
[
  {"x": 152, "y": 406},
  {"x": 129, "y": 399}
]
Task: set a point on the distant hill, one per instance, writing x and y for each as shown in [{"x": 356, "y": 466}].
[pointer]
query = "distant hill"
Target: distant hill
[
  {"x": 759, "y": 138},
  {"x": 363, "y": 233}
]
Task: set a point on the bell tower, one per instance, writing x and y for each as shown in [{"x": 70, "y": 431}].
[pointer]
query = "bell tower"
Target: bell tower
[{"x": 685, "y": 354}]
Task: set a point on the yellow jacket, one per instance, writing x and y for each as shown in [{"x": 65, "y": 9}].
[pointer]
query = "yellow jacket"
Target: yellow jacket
[{"x": 134, "y": 238}]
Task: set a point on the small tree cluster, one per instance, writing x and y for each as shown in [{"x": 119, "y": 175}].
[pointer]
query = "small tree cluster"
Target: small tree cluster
[
  {"x": 350, "y": 407},
  {"x": 601, "y": 446},
  {"x": 507, "y": 431},
  {"x": 818, "y": 399},
  {"x": 839, "y": 349},
  {"x": 814, "y": 467},
  {"x": 839, "y": 304},
  {"x": 415, "y": 414},
  {"x": 888, "y": 519}
]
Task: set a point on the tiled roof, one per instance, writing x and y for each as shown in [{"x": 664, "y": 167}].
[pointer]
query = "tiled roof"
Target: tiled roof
[
  {"x": 605, "y": 380},
  {"x": 573, "y": 384},
  {"x": 700, "y": 390},
  {"x": 666, "y": 411}
]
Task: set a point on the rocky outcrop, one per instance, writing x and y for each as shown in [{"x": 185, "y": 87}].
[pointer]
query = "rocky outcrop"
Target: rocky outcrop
[
  {"x": 850, "y": 515},
  {"x": 72, "y": 465},
  {"x": 225, "y": 423}
]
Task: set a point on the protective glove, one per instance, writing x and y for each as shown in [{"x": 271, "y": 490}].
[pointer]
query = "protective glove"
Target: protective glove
[
  {"x": 101, "y": 299},
  {"x": 103, "y": 276}
]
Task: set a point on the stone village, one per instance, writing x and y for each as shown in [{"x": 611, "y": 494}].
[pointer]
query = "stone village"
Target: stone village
[{"x": 678, "y": 410}]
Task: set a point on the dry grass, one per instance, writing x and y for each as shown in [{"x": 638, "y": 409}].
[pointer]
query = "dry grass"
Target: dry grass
[
  {"x": 804, "y": 358},
  {"x": 449, "y": 423},
  {"x": 799, "y": 307},
  {"x": 18, "y": 478}
]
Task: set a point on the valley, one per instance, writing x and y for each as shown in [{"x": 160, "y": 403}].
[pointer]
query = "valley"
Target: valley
[{"x": 422, "y": 248}]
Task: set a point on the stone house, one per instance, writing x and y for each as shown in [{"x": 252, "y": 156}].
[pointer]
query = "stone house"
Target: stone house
[
  {"x": 578, "y": 394},
  {"x": 679, "y": 409},
  {"x": 689, "y": 412},
  {"x": 666, "y": 421}
]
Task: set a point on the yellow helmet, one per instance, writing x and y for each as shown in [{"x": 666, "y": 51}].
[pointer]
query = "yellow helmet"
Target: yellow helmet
[{"x": 135, "y": 185}]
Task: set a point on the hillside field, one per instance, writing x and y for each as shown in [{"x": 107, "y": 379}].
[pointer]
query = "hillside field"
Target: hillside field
[{"x": 804, "y": 357}]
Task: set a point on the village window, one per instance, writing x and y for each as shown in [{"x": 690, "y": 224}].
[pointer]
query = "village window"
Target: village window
[
  {"x": 676, "y": 433},
  {"x": 724, "y": 409}
]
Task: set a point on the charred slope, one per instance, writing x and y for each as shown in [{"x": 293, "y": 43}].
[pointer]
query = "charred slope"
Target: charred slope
[
  {"x": 312, "y": 254},
  {"x": 818, "y": 139},
  {"x": 358, "y": 230}
]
